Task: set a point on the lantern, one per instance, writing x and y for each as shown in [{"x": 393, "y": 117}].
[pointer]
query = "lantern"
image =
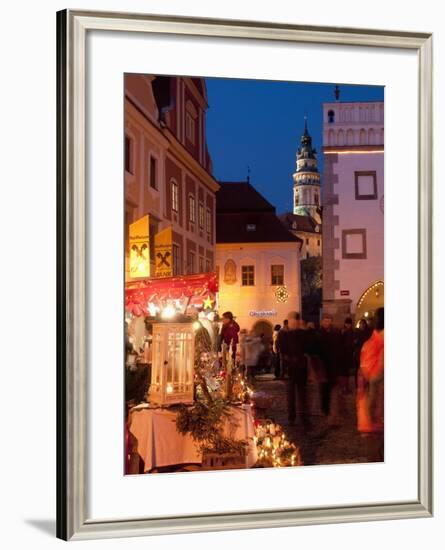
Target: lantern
[{"x": 173, "y": 356}]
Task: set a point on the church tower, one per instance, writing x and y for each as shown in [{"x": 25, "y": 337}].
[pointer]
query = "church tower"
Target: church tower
[{"x": 307, "y": 179}]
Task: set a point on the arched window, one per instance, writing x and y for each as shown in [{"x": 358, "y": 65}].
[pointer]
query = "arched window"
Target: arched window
[
  {"x": 331, "y": 116},
  {"x": 371, "y": 136},
  {"x": 363, "y": 140},
  {"x": 340, "y": 138},
  {"x": 350, "y": 137},
  {"x": 331, "y": 137}
]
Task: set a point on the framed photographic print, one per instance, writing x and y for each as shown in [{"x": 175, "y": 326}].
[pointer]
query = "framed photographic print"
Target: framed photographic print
[{"x": 242, "y": 207}]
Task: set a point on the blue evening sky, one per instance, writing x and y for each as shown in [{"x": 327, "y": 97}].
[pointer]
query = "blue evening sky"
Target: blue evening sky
[{"x": 259, "y": 123}]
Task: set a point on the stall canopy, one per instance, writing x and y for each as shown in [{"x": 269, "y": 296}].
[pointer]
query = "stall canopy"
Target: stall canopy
[{"x": 150, "y": 296}]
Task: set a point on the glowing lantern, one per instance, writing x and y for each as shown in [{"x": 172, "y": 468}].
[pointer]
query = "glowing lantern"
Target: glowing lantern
[{"x": 173, "y": 358}]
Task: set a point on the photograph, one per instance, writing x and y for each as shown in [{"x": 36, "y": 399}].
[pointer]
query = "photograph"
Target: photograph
[{"x": 253, "y": 321}]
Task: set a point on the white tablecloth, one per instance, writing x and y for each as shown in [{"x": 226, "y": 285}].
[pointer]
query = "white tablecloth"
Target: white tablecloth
[{"x": 160, "y": 444}]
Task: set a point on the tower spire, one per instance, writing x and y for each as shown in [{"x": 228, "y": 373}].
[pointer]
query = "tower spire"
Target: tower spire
[
  {"x": 306, "y": 177},
  {"x": 337, "y": 92}
]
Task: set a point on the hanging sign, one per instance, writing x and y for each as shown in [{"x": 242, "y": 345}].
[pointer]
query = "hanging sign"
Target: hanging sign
[
  {"x": 139, "y": 236},
  {"x": 164, "y": 253}
]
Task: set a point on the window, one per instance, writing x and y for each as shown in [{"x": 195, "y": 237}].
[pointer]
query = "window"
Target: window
[
  {"x": 247, "y": 275},
  {"x": 176, "y": 260},
  {"x": 190, "y": 127},
  {"x": 307, "y": 241},
  {"x": 201, "y": 215},
  {"x": 316, "y": 199},
  {"x": 318, "y": 242},
  {"x": 192, "y": 209},
  {"x": 365, "y": 186},
  {"x": 201, "y": 264},
  {"x": 128, "y": 155},
  {"x": 277, "y": 274},
  {"x": 175, "y": 196},
  {"x": 208, "y": 265},
  {"x": 208, "y": 221},
  {"x": 353, "y": 244},
  {"x": 331, "y": 117},
  {"x": 153, "y": 173},
  {"x": 154, "y": 227},
  {"x": 191, "y": 262},
  {"x": 251, "y": 227}
]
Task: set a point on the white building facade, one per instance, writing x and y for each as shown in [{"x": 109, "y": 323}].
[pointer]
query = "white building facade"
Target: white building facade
[{"x": 353, "y": 209}]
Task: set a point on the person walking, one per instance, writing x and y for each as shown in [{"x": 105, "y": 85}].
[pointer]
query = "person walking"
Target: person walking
[
  {"x": 347, "y": 362},
  {"x": 252, "y": 351},
  {"x": 292, "y": 344},
  {"x": 370, "y": 390},
  {"x": 276, "y": 352},
  {"x": 330, "y": 355},
  {"x": 362, "y": 334}
]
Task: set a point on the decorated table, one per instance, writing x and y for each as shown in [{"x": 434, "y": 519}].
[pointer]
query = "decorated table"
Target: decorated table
[{"x": 159, "y": 444}]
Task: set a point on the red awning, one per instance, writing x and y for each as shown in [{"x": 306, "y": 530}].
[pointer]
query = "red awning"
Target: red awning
[{"x": 196, "y": 288}]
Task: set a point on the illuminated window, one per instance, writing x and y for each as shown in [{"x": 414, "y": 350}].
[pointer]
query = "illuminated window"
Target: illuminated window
[
  {"x": 277, "y": 274},
  {"x": 247, "y": 275},
  {"x": 175, "y": 196},
  {"x": 201, "y": 215},
  {"x": 192, "y": 209},
  {"x": 208, "y": 221}
]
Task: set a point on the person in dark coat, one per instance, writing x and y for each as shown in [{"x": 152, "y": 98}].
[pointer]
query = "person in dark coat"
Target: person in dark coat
[
  {"x": 292, "y": 346},
  {"x": 347, "y": 363},
  {"x": 330, "y": 355}
]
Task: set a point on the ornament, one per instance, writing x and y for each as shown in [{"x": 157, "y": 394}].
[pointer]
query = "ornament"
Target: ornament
[{"x": 281, "y": 294}]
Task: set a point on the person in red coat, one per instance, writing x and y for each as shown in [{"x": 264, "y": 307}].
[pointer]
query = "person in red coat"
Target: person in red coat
[{"x": 229, "y": 332}]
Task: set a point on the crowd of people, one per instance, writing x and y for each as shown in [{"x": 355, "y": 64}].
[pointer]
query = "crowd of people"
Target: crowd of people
[{"x": 339, "y": 361}]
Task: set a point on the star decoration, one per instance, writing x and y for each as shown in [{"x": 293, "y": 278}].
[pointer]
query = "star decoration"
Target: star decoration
[{"x": 207, "y": 304}]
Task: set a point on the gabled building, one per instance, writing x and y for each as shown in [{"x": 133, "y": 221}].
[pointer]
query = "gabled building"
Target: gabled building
[{"x": 257, "y": 259}]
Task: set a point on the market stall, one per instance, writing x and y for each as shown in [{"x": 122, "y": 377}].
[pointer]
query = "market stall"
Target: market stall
[{"x": 198, "y": 408}]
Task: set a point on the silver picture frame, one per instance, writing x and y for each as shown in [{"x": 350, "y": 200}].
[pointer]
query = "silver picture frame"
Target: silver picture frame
[{"x": 72, "y": 491}]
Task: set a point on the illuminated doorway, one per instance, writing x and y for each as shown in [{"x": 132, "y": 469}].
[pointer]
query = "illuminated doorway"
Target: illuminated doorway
[{"x": 370, "y": 300}]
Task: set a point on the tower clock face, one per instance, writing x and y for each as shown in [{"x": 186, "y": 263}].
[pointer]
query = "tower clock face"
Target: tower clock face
[{"x": 382, "y": 204}]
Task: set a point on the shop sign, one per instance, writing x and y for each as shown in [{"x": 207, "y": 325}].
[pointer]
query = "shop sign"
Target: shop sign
[
  {"x": 164, "y": 253},
  {"x": 263, "y": 313},
  {"x": 139, "y": 236}
]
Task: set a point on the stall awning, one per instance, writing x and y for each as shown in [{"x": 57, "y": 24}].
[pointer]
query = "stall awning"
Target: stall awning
[{"x": 197, "y": 291}]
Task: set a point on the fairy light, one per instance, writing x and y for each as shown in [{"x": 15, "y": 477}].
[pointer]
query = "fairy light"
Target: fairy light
[{"x": 273, "y": 447}]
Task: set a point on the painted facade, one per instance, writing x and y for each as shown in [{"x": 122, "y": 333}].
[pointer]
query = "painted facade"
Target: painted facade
[{"x": 353, "y": 218}]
